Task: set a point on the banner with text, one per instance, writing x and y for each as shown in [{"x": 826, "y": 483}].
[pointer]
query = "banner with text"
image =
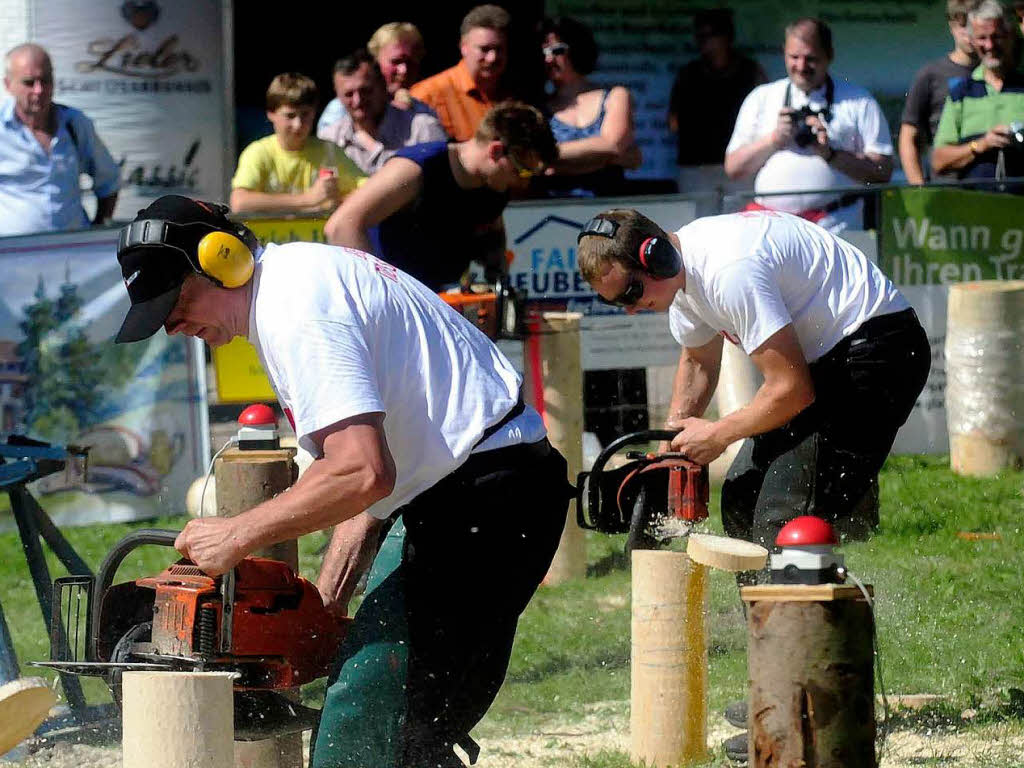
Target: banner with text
[
  {"x": 931, "y": 239},
  {"x": 63, "y": 380},
  {"x": 152, "y": 77}
]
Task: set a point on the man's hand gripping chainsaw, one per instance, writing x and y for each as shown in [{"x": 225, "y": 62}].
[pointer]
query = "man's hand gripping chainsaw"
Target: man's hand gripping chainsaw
[{"x": 653, "y": 497}]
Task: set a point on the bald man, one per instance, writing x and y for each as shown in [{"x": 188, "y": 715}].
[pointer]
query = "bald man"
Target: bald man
[{"x": 44, "y": 149}]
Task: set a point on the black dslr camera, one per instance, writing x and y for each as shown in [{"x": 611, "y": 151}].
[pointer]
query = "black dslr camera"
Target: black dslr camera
[{"x": 804, "y": 135}]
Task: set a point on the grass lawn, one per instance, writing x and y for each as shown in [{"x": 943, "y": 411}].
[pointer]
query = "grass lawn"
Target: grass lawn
[{"x": 950, "y": 614}]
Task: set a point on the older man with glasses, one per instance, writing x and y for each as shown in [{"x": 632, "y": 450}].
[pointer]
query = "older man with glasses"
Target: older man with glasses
[
  {"x": 44, "y": 149},
  {"x": 433, "y": 208}
]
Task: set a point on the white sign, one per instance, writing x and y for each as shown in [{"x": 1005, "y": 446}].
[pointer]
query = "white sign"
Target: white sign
[{"x": 151, "y": 76}]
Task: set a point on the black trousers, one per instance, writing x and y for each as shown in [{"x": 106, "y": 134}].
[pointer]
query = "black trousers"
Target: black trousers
[
  {"x": 477, "y": 546},
  {"x": 826, "y": 459}
]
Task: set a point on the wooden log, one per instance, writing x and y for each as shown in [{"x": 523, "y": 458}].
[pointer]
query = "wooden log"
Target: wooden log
[
  {"x": 24, "y": 705},
  {"x": 984, "y": 390},
  {"x": 812, "y": 698},
  {"x": 245, "y": 479},
  {"x": 177, "y": 720},
  {"x": 553, "y": 384},
  {"x": 668, "y": 660}
]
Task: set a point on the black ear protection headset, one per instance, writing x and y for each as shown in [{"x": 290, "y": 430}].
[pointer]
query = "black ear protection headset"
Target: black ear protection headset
[
  {"x": 656, "y": 256},
  {"x": 225, "y": 256}
]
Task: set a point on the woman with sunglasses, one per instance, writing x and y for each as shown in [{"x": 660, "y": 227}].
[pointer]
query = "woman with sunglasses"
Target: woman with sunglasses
[{"x": 592, "y": 125}]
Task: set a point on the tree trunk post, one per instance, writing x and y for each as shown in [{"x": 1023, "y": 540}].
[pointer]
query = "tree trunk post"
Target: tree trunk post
[
  {"x": 553, "y": 384},
  {"x": 810, "y": 660},
  {"x": 245, "y": 479}
]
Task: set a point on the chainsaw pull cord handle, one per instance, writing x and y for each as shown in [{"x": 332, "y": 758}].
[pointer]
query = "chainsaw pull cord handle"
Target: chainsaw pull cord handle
[
  {"x": 645, "y": 436},
  {"x": 107, "y": 571}
]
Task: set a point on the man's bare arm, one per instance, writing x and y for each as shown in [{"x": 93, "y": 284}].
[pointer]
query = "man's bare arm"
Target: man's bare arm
[
  {"x": 695, "y": 381},
  {"x": 355, "y": 471},
  {"x": 389, "y": 190},
  {"x": 910, "y": 154}
]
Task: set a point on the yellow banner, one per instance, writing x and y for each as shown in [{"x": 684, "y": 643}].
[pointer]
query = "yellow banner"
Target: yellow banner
[{"x": 237, "y": 370}]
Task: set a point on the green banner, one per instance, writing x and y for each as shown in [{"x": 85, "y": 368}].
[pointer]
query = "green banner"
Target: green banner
[{"x": 945, "y": 236}]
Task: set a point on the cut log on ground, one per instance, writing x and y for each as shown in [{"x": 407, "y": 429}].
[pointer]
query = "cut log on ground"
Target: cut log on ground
[{"x": 24, "y": 705}]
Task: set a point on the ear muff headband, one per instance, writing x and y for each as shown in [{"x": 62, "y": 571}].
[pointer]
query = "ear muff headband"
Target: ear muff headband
[
  {"x": 656, "y": 256},
  {"x": 225, "y": 257}
]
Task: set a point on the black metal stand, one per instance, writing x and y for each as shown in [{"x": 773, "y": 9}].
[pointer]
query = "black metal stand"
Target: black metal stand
[
  {"x": 33, "y": 524},
  {"x": 21, "y": 461}
]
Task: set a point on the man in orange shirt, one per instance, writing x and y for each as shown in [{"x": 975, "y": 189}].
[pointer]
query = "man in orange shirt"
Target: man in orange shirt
[{"x": 463, "y": 94}]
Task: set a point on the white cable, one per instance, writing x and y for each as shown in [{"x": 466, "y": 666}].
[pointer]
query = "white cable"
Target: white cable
[
  {"x": 878, "y": 665},
  {"x": 209, "y": 471}
]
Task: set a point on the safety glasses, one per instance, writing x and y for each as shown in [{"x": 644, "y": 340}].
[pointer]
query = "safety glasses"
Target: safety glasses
[
  {"x": 525, "y": 172},
  {"x": 633, "y": 292},
  {"x": 558, "y": 49}
]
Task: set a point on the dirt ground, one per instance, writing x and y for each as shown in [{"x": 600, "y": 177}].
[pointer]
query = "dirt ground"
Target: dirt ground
[{"x": 605, "y": 728}]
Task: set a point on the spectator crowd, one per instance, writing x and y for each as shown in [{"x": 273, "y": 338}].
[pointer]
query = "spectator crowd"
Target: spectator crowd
[{"x": 805, "y": 143}]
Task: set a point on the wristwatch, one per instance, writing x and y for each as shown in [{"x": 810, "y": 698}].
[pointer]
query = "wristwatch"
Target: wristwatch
[
  {"x": 831, "y": 154},
  {"x": 975, "y": 147}
]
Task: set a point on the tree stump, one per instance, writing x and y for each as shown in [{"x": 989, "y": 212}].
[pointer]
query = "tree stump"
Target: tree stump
[{"x": 810, "y": 656}]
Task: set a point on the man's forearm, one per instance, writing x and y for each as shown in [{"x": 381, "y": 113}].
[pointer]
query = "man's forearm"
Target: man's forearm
[
  {"x": 251, "y": 201},
  {"x": 746, "y": 161},
  {"x": 347, "y": 231},
  {"x": 692, "y": 389},
  {"x": 321, "y": 498},
  {"x": 954, "y": 157},
  {"x": 862, "y": 168},
  {"x": 910, "y": 154}
]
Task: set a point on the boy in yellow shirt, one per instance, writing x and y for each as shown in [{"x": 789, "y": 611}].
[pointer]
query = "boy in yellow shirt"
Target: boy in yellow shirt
[{"x": 291, "y": 171}]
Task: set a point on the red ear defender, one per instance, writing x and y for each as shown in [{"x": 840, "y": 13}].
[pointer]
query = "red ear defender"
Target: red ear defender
[
  {"x": 659, "y": 258},
  {"x": 645, "y": 250}
]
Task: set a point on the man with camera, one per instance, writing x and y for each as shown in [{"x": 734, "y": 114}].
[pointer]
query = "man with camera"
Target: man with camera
[
  {"x": 980, "y": 135},
  {"x": 807, "y": 136}
]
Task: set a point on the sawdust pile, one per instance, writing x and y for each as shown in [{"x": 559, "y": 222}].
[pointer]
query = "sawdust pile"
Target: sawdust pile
[{"x": 605, "y": 727}]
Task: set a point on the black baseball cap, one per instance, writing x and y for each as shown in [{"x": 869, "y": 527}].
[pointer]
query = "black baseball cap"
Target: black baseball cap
[{"x": 156, "y": 251}]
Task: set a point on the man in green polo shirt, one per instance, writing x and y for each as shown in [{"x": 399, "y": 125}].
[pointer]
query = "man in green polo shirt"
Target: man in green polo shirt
[{"x": 977, "y": 136}]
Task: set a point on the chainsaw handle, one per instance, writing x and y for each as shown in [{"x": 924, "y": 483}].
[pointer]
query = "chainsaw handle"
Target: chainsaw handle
[
  {"x": 107, "y": 571},
  {"x": 594, "y": 488}
]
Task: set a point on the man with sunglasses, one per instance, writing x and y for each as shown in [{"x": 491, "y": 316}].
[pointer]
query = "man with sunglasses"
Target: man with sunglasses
[
  {"x": 433, "y": 208},
  {"x": 843, "y": 355},
  {"x": 44, "y": 148}
]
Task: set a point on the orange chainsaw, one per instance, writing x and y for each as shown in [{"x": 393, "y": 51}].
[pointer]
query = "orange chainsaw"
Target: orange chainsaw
[
  {"x": 653, "y": 497},
  {"x": 259, "y": 621}
]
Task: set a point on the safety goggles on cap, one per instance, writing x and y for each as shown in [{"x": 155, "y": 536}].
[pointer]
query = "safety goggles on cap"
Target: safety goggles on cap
[
  {"x": 558, "y": 49},
  {"x": 633, "y": 292},
  {"x": 524, "y": 171}
]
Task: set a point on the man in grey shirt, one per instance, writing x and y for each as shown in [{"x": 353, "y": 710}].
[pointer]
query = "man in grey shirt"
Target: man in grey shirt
[{"x": 371, "y": 128}]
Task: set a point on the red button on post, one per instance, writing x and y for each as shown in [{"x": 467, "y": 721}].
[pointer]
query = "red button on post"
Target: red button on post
[{"x": 806, "y": 531}]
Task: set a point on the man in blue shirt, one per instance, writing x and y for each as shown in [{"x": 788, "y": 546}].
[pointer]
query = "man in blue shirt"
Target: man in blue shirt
[{"x": 44, "y": 148}]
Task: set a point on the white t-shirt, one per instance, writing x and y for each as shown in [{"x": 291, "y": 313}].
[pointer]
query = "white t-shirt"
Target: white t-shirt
[
  {"x": 857, "y": 125},
  {"x": 341, "y": 333},
  {"x": 750, "y": 274}
]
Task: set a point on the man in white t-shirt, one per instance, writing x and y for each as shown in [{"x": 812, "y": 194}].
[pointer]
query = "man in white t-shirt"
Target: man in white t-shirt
[
  {"x": 413, "y": 416},
  {"x": 842, "y": 353},
  {"x": 809, "y": 131}
]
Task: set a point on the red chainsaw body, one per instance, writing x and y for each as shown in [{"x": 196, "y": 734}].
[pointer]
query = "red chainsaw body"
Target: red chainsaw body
[
  {"x": 688, "y": 490},
  {"x": 280, "y": 631}
]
